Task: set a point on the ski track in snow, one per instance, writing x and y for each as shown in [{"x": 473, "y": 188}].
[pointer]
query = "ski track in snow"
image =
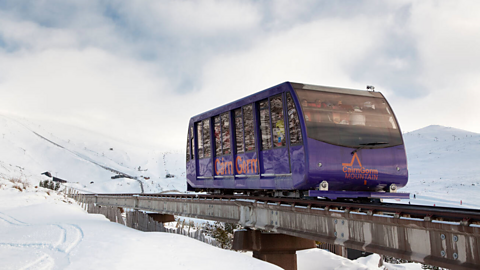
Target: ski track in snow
[{"x": 50, "y": 255}]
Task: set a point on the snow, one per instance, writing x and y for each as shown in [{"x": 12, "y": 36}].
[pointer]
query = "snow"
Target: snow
[
  {"x": 82, "y": 157},
  {"x": 328, "y": 260},
  {"x": 41, "y": 229},
  {"x": 443, "y": 167}
]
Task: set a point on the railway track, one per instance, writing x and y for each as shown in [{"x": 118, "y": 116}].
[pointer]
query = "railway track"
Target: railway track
[
  {"x": 440, "y": 236},
  {"x": 461, "y": 216}
]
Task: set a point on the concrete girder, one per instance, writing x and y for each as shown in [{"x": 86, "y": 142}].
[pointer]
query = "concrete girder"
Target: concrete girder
[{"x": 441, "y": 244}]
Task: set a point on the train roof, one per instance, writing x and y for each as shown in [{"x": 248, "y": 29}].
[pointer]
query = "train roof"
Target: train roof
[
  {"x": 336, "y": 90},
  {"x": 279, "y": 89}
]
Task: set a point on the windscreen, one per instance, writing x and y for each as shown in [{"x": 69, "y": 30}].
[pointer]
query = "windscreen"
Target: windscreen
[{"x": 349, "y": 120}]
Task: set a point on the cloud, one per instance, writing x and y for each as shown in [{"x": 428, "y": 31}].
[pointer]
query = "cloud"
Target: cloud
[
  {"x": 446, "y": 36},
  {"x": 140, "y": 69},
  {"x": 299, "y": 54},
  {"x": 196, "y": 18},
  {"x": 90, "y": 87}
]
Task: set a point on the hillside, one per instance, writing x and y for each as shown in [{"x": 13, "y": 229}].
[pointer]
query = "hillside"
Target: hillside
[
  {"x": 40, "y": 229},
  {"x": 86, "y": 159},
  {"x": 443, "y": 166}
]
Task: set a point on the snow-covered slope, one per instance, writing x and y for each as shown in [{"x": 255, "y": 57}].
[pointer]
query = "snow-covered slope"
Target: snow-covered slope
[
  {"x": 40, "y": 229},
  {"x": 86, "y": 159},
  {"x": 443, "y": 165}
]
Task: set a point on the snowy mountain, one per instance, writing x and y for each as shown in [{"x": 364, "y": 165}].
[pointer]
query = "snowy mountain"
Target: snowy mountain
[
  {"x": 443, "y": 165},
  {"x": 86, "y": 159}
]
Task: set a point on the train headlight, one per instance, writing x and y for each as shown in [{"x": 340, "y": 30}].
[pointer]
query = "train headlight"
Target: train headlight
[
  {"x": 393, "y": 188},
  {"x": 323, "y": 185}
]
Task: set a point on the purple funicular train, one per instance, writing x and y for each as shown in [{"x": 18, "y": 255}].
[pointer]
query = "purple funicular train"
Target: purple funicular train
[{"x": 296, "y": 140}]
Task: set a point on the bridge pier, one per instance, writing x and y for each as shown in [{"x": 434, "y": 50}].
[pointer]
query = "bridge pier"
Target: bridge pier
[
  {"x": 275, "y": 248},
  {"x": 162, "y": 218}
]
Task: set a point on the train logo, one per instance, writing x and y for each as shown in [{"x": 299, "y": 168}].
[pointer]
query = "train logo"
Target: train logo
[
  {"x": 223, "y": 167},
  {"x": 358, "y": 172},
  {"x": 246, "y": 166}
]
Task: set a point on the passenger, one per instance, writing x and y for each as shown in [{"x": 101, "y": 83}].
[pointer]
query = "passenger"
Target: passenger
[
  {"x": 280, "y": 126},
  {"x": 368, "y": 105},
  {"x": 357, "y": 118},
  {"x": 217, "y": 132},
  {"x": 294, "y": 123},
  {"x": 373, "y": 117},
  {"x": 320, "y": 115},
  {"x": 343, "y": 106},
  {"x": 307, "y": 114},
  {"x": 341, "y": 117},
  {"x": 295, "y": 132},
  {"x": 304, "y": 103}
]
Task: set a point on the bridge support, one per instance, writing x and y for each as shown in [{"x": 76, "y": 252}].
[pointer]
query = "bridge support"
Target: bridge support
[
  {"x": 162, "y": 218},
  {"x": 279, "y": 249}
]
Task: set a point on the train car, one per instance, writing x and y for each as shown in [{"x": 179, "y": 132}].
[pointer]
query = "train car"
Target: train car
[{"x": 297, "y": 140}]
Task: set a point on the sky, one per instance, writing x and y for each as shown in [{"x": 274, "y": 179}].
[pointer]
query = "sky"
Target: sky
[{"x": 138, "y": 70}]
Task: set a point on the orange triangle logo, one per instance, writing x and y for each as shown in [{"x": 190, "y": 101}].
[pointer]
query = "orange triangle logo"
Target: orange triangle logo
[{"x": 355, "y": 156}]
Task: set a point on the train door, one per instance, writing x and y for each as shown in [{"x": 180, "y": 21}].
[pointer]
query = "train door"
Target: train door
[
  {"x": 295, "y": 141},
  {"x": 246, "y": 158},
  {"x": 274, "y": 154},
  {"x": 191, "y": 172},
  {"x": 204, "y": 160}
]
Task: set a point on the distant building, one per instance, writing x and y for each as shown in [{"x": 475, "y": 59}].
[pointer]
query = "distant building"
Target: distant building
[
  {"x": 58, "y": 180},
  {"x": 47, "y": 174}
]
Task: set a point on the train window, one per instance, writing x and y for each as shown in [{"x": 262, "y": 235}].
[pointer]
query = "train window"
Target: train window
[
  {"x": 200, "y": 141},
  {"x": 293, "y": 122},
  {"x": 188, "y": 146},
  {"x": 278, "y": 124},
  {"x": 206, "y": 138},
  {"x": 225, "y": 133},
  {"x": 218, "y": 133},
  {"x": 249, "y": 128},
  {"x": 192, "y": 143},
  {"x": 239, "y": 130},
  {"x": 349, "y": 120},
  {"x": 265, "y": 125}
]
